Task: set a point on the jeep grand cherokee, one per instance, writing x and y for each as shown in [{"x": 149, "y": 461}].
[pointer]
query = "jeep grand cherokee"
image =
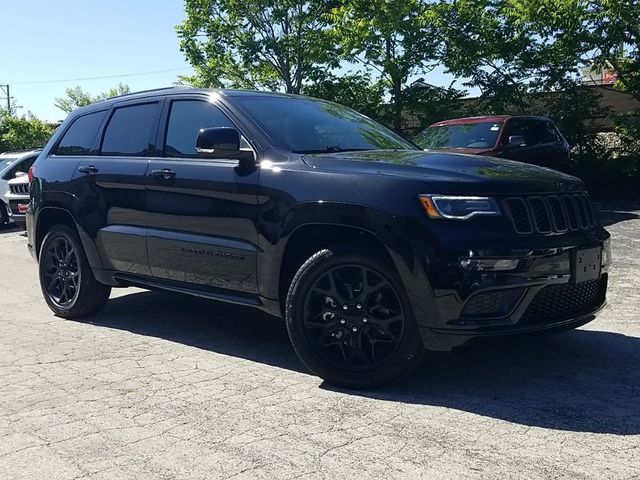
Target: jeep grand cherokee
[{"x": 371, "y": 249}]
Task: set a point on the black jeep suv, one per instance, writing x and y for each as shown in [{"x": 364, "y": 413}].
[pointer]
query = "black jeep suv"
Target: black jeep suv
[{"x": 371, "y": 249}]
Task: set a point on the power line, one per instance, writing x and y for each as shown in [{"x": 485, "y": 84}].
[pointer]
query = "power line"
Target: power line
[{"x": 62, "y": 80}]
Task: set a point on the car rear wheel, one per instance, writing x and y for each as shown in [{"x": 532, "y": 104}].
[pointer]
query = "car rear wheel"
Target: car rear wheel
[
  {"x": 349, "y": 319},
  {"x": 66, "y": 279}
]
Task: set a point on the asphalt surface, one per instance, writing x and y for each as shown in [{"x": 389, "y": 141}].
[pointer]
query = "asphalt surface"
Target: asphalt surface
[{"x": 160, "y": 386}]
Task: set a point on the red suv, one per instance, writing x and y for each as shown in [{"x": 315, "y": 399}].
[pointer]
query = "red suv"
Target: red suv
[{"x": 528, "y": 139}]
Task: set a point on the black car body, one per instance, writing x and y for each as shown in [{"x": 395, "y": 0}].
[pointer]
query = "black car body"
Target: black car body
[
  {"x": 524, "y": 138},
  {"x": 511, "y": 248}
]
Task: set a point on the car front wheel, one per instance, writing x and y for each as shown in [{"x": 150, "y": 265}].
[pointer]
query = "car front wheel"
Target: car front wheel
[
  {"x": 349, "y": 319},
  {"x": 66, "y": 279}
]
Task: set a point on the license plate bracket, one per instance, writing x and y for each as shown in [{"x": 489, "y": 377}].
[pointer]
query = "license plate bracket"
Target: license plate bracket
[{"x": 586, "y": 265}]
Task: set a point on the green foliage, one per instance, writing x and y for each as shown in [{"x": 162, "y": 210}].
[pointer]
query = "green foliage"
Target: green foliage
[
  {"x": 261, "y": 44},
  {"x": 508, "y": 48},
  {"x": 614, "y": 36},
  {"x": 431, "y": 104},
  {"x": 394, "y": 38},
  {"x": 354, "y": 90},
  {"x": 23, "y": 132},
  {"x": 76, "y": 97}
]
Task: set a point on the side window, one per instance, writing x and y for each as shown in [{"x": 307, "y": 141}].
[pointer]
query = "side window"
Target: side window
[
  {"x": 536, "y": 132},
  {"x": 550, "y": 133},
  {"x": 129, "y": 130},
  {"x": 515, "y": 127},
  {"x": 80, "y": 137},
  {"x": 186, "y": 118},
  {"x": 22, "y": 166}
]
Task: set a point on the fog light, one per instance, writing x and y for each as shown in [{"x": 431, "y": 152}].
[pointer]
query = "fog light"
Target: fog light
[
  {"x": 489, "y": 264},
  {"x": 606, "y": 253}
]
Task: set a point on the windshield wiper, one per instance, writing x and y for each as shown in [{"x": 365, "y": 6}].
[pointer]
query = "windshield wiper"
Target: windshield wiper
[{"x": 331, "y": 150}]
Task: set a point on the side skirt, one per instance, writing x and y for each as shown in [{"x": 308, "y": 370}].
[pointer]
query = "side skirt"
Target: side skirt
[{"x": 119, "y": 279}]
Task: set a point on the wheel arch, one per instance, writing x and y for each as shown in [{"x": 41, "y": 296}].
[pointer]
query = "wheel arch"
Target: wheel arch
[
  {"x": 48, "y": 216},
  {"x": 314, "y": 226}
]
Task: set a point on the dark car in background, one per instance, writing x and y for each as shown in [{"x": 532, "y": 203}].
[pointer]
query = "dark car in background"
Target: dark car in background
[
  {"x": 529, "y": 139},
  {"x": 372, "y": 249}
]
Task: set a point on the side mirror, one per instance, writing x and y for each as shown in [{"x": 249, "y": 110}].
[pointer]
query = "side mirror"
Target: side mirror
[
  {"x": 516, "y": 141},
  {"x": 19, "y": 174},
  {"x": 223, "y": 142}
]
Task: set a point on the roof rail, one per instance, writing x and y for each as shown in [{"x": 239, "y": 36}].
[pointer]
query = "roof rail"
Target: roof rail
[{"x": 144, "y": 91}]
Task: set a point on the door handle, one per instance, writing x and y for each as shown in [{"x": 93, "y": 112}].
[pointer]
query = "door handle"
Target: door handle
[
  {"x": 165, "y": 173},
  {"x": 88, "y": 169}
]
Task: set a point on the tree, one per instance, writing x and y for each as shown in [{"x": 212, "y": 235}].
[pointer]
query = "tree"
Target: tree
[
  {"x": 431, "y": 104},
  {"x": 261, "y": 44},
  {"x": 394, "y": 38},
  {"x": 509, "y": 48},
  {"x": 355, "y": 90},
  {"x": 77, "y": 97},
  {"x": 614, "y": 36},
  {"x": 23, "y": 132}
]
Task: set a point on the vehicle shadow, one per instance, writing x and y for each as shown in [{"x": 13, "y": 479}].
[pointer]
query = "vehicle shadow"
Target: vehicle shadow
[
  {"x": 10, "y": 228},
  {"x": 215, "y": 326},
  {"x": 610, "y": 217},
  {"x": 584, "y": 380}
]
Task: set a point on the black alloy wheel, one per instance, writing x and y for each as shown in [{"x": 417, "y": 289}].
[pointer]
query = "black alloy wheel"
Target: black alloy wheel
[
  {"x": 66, "y": 279},
  {"x": 349, "y": 319},
  {"x": 353, "y": 317},
  {"x": 61, "y": 272}
]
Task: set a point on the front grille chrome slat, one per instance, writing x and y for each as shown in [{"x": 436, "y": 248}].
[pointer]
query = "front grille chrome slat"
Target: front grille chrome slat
[
  {"x": 547, "y": 214},
  {"x": 19, "y": 189}
]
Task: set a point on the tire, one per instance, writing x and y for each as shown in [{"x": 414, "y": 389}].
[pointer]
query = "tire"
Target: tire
[
  {"x": 349, "y": 319},
  {"x": 66, "y": 279},
  {"x": 4, "y": 214}
]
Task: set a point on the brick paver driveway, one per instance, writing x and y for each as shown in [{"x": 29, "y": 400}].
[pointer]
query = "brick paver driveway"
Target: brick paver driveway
[{"x": 160, "y": 386}]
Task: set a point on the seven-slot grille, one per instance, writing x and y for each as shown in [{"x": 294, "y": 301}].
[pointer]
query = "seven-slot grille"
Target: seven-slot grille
[
  {"x": 20, "y": 188},
  {"x": 551, "y": 213}
]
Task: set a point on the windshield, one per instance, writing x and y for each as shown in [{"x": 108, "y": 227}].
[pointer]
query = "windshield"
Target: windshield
[
  {"x": 308, "y": 126},
  {"x": 467, "y": 135},
  {"x": 5, "y": 162}
]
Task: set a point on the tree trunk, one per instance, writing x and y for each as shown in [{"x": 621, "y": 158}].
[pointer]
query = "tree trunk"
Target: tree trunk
[{"x": 398, "y": 103}]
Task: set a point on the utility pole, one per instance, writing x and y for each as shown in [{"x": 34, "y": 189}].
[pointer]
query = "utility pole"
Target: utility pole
[{"x": 7, "y": 91}]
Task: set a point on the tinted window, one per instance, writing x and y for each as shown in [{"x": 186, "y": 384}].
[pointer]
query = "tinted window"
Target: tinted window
[
  {"x": 80, "y": 137},
  {"x": 129, "y": 130},
  {"x": 22, "y": 166},
  {"x": 186, "y": 119},
  {"x": 550, "y": 133},
  {"x": 467, "y": 135},
  {"x": 515, "y": 127},
  {"x": 5, "y": 162},
  {"x": 307, "y": 126}
]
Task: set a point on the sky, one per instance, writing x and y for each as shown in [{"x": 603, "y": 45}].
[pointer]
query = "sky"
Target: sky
[{"x": 47, "y": 46}]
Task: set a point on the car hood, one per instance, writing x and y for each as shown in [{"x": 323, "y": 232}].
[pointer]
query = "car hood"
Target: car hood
[
  {"x": 450, "y": 173},
  {"x": 470, "y": 151}
]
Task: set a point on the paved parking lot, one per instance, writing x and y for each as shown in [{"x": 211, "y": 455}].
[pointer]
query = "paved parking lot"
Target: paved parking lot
[{"x": 160, "y": 386}]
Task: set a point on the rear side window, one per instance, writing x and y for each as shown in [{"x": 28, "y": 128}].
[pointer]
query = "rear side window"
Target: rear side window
[
  {"x": 129, "y": 130},
  {"x": 80, "y": 137},
  {"x": 186, "y": 119}
]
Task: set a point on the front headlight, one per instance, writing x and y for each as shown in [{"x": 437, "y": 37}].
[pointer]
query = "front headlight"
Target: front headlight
[{"x": 458, "y": 208}]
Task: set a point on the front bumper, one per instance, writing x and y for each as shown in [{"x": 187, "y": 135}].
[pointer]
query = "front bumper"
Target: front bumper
[
  {"x": 543, "y": 293},
  {"x": 18, "y": 205}
]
